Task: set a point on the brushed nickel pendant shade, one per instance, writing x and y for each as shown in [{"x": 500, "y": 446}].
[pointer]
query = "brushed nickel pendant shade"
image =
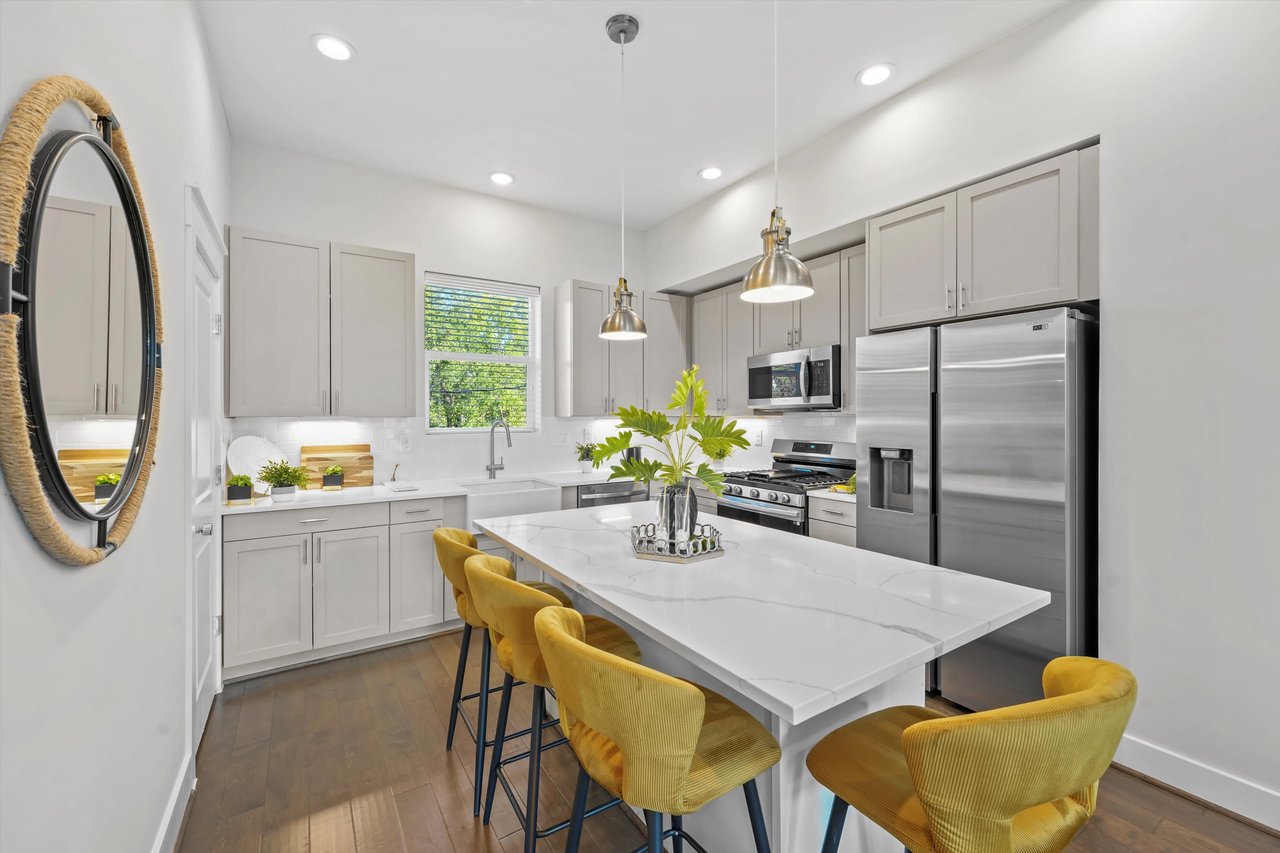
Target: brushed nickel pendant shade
[
  {"x": 778, "y": 276},
  {"x": 622, "y": 323}
]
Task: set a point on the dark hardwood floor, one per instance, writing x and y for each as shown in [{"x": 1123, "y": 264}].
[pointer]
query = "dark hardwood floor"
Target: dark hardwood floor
[{"x": 348, "y": 755}]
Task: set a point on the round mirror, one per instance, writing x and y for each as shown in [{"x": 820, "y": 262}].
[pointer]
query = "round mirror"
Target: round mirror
[{"x": 88, "y": 327}]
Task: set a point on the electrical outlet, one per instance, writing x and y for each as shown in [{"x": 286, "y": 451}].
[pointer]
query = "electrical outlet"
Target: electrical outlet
[
  {"x": 759, "y": 438},
  {"x": 405, "y": 440}
]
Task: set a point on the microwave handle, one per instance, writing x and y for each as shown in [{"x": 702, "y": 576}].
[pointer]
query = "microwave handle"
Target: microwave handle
[{"x": 805, "y": 378}]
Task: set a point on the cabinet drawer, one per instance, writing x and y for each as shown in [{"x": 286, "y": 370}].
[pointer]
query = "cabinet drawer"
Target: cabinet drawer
[
  {"x": 833, "y": 512},
  {"x": 829, "y": 532},
  {"x": 309, "y": 520},
  {"x": 423, "y": 509}
]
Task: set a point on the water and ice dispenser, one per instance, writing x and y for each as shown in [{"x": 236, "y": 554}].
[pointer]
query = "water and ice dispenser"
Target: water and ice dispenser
[{"x": 891, "y": 478}]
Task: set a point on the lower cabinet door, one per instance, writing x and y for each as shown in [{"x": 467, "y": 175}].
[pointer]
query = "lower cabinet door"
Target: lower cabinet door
[
  {"x": 417, "y": 584},
  {"x": 829, "y": 532},
  {"x": 351, "y": 585},
  {"x": 266, "y": 598}
]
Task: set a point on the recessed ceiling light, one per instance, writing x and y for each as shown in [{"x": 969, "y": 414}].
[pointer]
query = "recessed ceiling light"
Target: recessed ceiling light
[
  {"x": 501, "y": 178},
  {"x": 333, "y": 47},
  {"x": 710, "y": 173},
  {"x": 876, "y": 74}
]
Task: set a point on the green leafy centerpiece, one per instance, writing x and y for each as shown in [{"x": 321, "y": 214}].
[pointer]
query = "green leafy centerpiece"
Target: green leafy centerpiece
[
  {"x": 331, "y": 480},
  {"x": 283, "y": 478},
  {"x": 104, "y": 486},
  {"x": 679, "y": 441}
]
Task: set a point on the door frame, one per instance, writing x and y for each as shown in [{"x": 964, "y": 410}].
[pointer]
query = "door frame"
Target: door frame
[{"x": 203, "y": 245}]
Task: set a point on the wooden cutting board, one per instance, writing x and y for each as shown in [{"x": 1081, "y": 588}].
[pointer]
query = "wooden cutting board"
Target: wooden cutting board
[
  {"x": 81, "y": 467},
  {"x": 356, "y": 461}
]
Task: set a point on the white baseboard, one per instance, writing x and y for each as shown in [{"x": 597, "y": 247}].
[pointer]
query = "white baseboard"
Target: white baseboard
[
  {"x": 176, "y": 810},
  {"x": 1208, "y": 783}
]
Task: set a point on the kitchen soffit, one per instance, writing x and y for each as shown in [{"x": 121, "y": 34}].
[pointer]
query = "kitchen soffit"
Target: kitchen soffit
[{"x": 452, "y": 91}]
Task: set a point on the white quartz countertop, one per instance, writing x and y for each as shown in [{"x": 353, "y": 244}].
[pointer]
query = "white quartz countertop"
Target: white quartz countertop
[
  {"x": 444, "y": 488},
  {"x": 798, "y": 625}
]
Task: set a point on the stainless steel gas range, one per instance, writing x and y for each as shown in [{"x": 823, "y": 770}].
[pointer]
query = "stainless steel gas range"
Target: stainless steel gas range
[{"x": 776, "y": 497}]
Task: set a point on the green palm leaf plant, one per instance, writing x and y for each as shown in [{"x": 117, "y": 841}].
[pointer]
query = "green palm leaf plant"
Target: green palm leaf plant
[{"x": 678, "y": 440}]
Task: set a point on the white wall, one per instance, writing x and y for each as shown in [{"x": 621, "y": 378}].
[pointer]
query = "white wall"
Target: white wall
[
  {"x": 450, "y": 231},
  {"x": 1183, "y": 95},
  {"x": 93, "y": 660}
]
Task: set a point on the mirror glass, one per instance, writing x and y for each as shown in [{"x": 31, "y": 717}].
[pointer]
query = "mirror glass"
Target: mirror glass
[{"x": 89, "y": 325}]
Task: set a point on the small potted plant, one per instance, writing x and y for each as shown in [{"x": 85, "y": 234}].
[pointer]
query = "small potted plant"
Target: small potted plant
[
  {"x": 239, "y": 489},
  {"x": 586, "y": 455},
  {"x": 104, "y": 485},
  {"x": 332, "y": 478},
  {"x": 283, "y": 478},
  {"x": 717, "y": 454}
]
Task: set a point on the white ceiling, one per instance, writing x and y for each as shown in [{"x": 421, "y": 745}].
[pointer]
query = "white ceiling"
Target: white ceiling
[{"x": 451, "y": 91}]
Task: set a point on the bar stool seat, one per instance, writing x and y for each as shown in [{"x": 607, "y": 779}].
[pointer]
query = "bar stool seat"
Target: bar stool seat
[
  {"x": 732, "y": 749},
  {"x": 1022, "y": 779}
]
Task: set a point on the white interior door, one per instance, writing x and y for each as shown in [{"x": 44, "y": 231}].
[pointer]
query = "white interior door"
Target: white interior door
[{"x": 205, "y": 264}]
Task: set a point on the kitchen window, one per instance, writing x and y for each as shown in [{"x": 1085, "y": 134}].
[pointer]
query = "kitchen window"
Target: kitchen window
[{"x": 481, "y": 341}]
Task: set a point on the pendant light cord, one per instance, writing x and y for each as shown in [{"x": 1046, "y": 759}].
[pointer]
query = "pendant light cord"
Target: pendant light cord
[
  {"x": 775, "y": 104},
  {"x": 622, "y": 148}
]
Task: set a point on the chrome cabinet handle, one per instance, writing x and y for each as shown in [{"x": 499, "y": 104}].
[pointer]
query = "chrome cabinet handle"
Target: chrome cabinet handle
[
  {"x": 95, "y": 398},
  {"x": 312, "y": 520},
  {"x": 416, "y": 511},
  {"x": 115, "y": 397},
  {"x": 322, "y": 396},
  {"x": 831, "y": 511},
  {"x": 797, "y": 336},
  {"x": 304, "y": 551},
  {"x": 335, "y": 401},
  {"x": 946, "y": 291},
  {"x": 960, "y": 303},
  {"x": 318, "y": 542}
]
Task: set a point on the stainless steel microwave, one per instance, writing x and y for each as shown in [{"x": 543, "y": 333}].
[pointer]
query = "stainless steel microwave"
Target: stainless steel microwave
[{"x": 803, "y": 379}]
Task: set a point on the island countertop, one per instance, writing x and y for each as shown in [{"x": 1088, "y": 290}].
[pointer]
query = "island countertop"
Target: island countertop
[{"x": 799, "y": 625}]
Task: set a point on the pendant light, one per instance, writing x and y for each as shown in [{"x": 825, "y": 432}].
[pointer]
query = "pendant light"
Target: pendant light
[
  {"x": 778, "y": 276},
  {"x": 622, "y": 323}
]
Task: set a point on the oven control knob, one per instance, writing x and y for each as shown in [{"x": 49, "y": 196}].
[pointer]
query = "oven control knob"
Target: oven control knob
[
  {"x": 786, "y": 499},
  {"x": 773, "y": 496},
  {"x": 755, "y": 493}
]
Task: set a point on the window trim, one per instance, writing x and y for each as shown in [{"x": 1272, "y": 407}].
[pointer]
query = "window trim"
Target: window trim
[{"x": 533, "y": 361}]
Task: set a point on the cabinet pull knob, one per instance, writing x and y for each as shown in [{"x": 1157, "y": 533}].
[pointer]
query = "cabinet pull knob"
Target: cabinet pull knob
[{"x": 312, "y": 520}]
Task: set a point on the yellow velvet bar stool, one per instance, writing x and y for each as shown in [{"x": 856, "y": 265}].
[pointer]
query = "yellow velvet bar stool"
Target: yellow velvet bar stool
[
  {"x": 1022, "y": 779},
  {"x": 509, "y": 608},
  {"x": 453, "y": 547},
  {"x": 657, "y": 742}
]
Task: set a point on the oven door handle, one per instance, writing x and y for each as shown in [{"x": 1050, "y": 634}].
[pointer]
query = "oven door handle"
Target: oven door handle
[{"x": 794, "y": 515}]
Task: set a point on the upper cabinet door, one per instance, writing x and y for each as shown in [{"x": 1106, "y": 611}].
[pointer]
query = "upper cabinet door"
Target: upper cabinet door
[
  {"x": 775, "y": 325},
  {"x": 666, "y": 350},
  {"x": 709, "y": 344},
  {"x": 278, "y": 326},
  {"x": 817, "y": 322},
  {"x": 1019, "y": 238},
  {"x": 853, "y": 268},
  {"x": 75, "y": 252},
  {"x": 124, "y": 362},
  {"x": 739, "y": 319},
  {"x": 374, "y": 333},
  {"x": 582, "y": 358},
  {"x": 911, "y": 264}
]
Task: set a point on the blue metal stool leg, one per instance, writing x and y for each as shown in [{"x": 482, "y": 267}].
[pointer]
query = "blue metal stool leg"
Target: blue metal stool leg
[
  {"x": 504, "y": 707},
  {"x": 653, "y": 820},
  {"x": 482, "y": 725},
  {"x": 535, "y": 771},
  {"x": 835, "y": 825},
  {"x": 457, "y": 685},
  {"x": 579, "y": 812},
  {"x": 677, "y": 840},
  {"x": 758, "y": 830}
]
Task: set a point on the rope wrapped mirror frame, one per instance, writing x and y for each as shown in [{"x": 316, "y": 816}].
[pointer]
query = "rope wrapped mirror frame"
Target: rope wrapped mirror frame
[{"x": 23, "y": 444}]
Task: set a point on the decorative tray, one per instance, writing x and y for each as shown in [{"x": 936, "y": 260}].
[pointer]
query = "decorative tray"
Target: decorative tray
[{"x": 703, "y": 544}]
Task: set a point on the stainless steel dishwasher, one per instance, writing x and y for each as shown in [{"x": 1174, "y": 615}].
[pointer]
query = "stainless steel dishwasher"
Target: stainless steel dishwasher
[{"x": 619, "y": 492}]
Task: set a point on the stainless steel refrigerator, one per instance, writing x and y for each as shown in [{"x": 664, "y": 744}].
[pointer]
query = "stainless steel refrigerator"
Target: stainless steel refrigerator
[{"x": 977, "y": 451}]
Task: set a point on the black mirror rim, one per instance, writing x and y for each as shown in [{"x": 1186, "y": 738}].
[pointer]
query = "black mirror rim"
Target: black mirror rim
[{"x": 25, "y": 280}]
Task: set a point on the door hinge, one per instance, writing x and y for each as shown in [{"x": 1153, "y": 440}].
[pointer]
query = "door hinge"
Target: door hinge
[
  {"x": 217, "y": 628},
  {"x": 217, "y": 475},
  {"x": 217, "y": 324}
]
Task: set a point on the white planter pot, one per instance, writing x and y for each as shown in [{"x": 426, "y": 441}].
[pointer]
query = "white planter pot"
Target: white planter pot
[
  {"x": 282, "y": 494},
  {"x": 585, "y": 465}
]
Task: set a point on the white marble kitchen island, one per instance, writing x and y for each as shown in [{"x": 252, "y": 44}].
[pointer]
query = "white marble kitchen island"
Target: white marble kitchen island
[{"x": 806, "y": 634}]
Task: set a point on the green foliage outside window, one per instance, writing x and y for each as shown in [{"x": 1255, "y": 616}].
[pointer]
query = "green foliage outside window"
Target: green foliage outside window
[{"x": 493, "y": 329}]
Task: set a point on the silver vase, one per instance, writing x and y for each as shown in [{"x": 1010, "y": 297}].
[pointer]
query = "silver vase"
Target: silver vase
[{"x": 677, "y": 515}]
